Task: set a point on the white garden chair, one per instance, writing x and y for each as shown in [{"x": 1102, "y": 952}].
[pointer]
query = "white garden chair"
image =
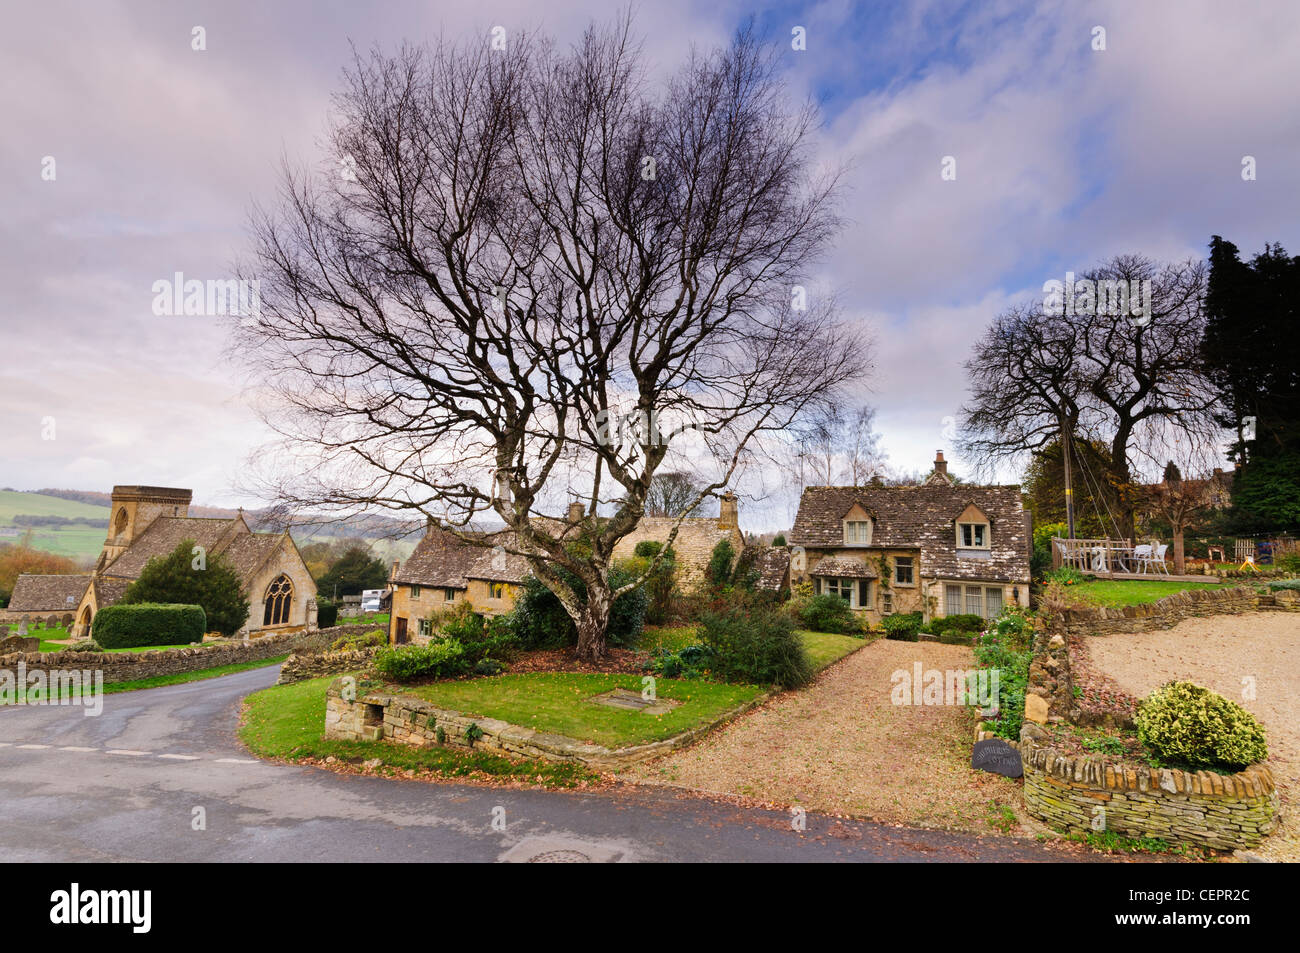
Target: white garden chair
[
  {"x": 1142, "y": 556},
  {"x": 1156, "y": 560}
]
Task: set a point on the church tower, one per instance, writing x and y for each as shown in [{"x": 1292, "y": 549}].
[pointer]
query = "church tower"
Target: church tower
[{"x": 134, "y": 508}]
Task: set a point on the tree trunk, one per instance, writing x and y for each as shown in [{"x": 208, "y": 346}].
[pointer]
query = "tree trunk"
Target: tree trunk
[
  {"x": 1180, "y": 563},
  {"x": 593, "y": 624}
]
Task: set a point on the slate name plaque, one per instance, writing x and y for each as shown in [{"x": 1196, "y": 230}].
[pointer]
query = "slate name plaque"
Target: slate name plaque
[{"x": 995, "y": 755}]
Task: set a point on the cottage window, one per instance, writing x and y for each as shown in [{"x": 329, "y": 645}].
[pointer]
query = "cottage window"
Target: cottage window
[
  {"x": 449, "y": 595},
  {"x": 426, "y": 628},
  {"x": 839, "y": 587},
  {"x": 279, "y": 600},
  {"x": 857, "y": 532},
  {"x": 903, "y": 571},
  {"x": 415, "y": 592},
  {"x": 498, "y": 590},
  {"x": 973, "y": 535},
  {"x": 983, "y": 601},
  {"x": 886, "y": 602}
]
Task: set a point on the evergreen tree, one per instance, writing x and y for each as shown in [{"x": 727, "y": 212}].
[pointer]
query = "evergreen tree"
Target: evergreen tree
[
  {"x": 189, "y": 578},
  {"x": 354, "y": 571}
]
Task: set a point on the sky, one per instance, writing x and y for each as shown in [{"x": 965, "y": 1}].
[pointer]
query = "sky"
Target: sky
[{"x": 128, "y": 156}]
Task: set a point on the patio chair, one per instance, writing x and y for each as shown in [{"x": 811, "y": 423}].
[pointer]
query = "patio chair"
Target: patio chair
[
  {"x": 1141, "y": 556},
  {"x": 1157, "y": 559}
]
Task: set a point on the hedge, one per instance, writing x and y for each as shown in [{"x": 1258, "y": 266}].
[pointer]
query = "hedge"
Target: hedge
[{"x": 144, "y": 624}]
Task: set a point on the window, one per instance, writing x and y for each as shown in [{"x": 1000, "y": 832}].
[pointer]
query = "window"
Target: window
[
  {"x": 952, "y": 600},
  {"x": 857, "y": 532},
  {"x": 279, "y": 600},
  {"x": 973, "y": 535},
  {"x": 864, "y": 593},
  {"x": 903, "y": 571},
  {"x": 415, "y": 592},
  {"x": 983, "y": 601},
  {"x": 449, "y": 595},
  {"x": 426, "y": 628},
  {"x": 886, "y": 602},
  {"x": 839, "y": 587},
  {"x": 498, "y": 590},
  {"x": 119, "y": 525}
]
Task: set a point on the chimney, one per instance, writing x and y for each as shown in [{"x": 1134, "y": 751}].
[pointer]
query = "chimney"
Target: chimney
[
  {"x": 393, "y": 575},
  {"x": 728, "y": 512},
  {"x": 429, "y": 524},
  {"x": 576, "y": 511},
  {"x": 940, "y": 464}
]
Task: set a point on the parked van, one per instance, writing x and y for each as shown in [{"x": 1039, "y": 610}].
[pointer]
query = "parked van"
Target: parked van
[{"x": 371, "y": 599}]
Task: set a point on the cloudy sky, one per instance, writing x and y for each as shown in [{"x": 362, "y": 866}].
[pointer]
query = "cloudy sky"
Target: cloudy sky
[{"x": 1064, "y": 155}]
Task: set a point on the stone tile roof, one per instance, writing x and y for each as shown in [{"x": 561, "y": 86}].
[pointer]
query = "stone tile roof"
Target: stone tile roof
[
  {"x": 109, "y": 589},
  {"x": 852, "y": 567},
  {"x": 444, "y": 560},
  {"x": 33, "y": 593},
  {"x": 248, "y": 552},
  {"x": 922, "y": 517},
  {"x": 163, "y": 535},
  {"x": 772, "y": 564}
]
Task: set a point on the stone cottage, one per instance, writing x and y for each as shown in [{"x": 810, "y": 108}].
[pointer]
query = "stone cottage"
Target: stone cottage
[
  {"x": 940, "y": 547},
  {"x": 445, "y": 569},
  {"x": 149, "y": 521}
]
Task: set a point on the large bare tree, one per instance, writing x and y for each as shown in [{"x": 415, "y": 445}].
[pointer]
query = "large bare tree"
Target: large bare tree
[
  {"x": 1124, "y": 372},
  {"x": 525, "y": 270}
]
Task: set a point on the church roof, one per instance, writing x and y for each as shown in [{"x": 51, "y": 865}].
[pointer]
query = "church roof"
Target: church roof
[{"x": 33, "y": 593}]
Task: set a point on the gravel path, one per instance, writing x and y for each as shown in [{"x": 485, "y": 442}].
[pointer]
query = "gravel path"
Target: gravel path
[
  {"x": 841, "y": 747},
  {"x": 1220, "y": 652}
]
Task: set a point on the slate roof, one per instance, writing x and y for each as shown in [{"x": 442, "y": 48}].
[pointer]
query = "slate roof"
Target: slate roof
[
  {"x": 922, "y": 517},
  {"x": 162, "y": 536},
  {"x": 772, "y": 564},
  {"x": 446, "y": 561},
  {"x": 33, "y": 593},
  {"x": 108, "y": 590}
]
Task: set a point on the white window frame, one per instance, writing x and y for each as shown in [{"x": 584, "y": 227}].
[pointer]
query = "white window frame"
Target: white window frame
[
  {"x": 911, "y": 568},
  {"x": 965, "y": 592},
  {"x": 988, "y": 536}
]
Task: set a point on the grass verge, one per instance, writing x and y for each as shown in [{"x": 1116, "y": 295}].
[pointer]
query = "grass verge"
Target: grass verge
[
  {"x": 287, "y": 722},
  {"x": 1116, "y": 593}
]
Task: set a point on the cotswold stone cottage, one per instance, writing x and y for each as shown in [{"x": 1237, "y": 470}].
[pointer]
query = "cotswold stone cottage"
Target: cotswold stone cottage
[
  {"x": 940, "y": 548},
  {"x": 445, "y": 569},
  {"x": 150, "y": 521}
]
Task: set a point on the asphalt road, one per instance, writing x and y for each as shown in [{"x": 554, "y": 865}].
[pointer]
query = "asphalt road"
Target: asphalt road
[{"x": 125, "y": 786}]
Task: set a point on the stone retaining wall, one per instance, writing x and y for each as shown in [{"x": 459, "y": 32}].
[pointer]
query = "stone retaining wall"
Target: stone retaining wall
[
  {"x": 299, "y": 667},
  {"x": 129, "y": 666},
  {"x": 1089, "y": 794},
  {"x": 412, "y": 721},
  {"x": 1167, "y": 612}
]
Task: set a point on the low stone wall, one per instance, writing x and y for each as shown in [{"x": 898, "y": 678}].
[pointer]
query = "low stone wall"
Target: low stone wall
[
  {"x": 412, "y": 721},
  {"x": 1088, "y": 793},
  {"x": 320, "y": 640},
  {"x": 1167, "y": 612},
  {"x": 298, "y": 667},
  {"x": 129, "y": 666},
  {"x": 1049, "y": 696}
]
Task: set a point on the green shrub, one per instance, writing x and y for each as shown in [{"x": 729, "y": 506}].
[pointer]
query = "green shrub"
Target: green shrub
[
  {"x": 1012, "y": 665},
  {"x": 440, "y": 659},
  {"x": 826, "y": 613},
  {"x": 1285, "y": 584},
  {"x": 144, "y": 623},
  {"x": 691, "y": 661},
  {"x": 189, "y": 576},
  {"x": 660, "y": 583},
  {"x": 960, "y": 622},
  {"x": 719, "y": 569},
  {"x": 489, "y": 666},
  {"x": 1182, "y": 723},
  {"x": 956, "y": 637},
  {"x": 327, "y": 614},
  {"x": 1067, "y": 575},
  {"x": 85, "y": 645},
  {"x": 463, "y": 624},
  {"x": 1287, "y": 562},
  {"x": 541, "y": 622},
  {"x": 758, "y": 646},
  {"x": 360, "y": 640},
  {"x": 902, "y": 626}
]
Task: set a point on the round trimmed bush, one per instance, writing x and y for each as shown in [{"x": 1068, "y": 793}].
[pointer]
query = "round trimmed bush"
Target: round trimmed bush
[
  {"x": 1184, "y": 724},
  {"x": 827, "y": 613},
  {"x": 143, "y": 624}
]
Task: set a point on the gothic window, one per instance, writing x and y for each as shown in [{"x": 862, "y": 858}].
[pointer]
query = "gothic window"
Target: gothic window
[
  {"x": 279, "y": 600},
  {"x": 119, "y": 524}
]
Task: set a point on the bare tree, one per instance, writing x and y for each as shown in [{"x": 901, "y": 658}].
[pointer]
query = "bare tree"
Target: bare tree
[
  {"x": 1180, "y": 501},
  {"x": 1126, "y": 372},
  {"x": 836, "y": 446},
  {"x": 524, "y": 269},
  {"x": 672, "y": 494}
]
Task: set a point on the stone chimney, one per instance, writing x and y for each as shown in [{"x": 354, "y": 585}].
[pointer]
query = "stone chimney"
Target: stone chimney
[
  {"x": 940, "y": 464},
  {"x": 397, "y": 564},
  {"x": 576, "y": 511},
  {"x": 728, "y": 512}
]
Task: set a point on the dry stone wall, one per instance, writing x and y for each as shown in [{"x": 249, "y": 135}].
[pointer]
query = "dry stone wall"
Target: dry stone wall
[
  {"x": 1167, "y": 612},
  {"x": 297, "y": 668},
  {"x": 1090, "y": 794}
]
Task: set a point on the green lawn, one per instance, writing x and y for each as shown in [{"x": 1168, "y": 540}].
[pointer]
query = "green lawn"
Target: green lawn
[
  {"x": 670, "y": 637},
  {"x": 559, "y": 702},
  {"x": 1116, "y": 593},
  {"x": 826, "y": 647},
  {"x": 288, "y": 722},
  {"x": 378, "y": 619}
]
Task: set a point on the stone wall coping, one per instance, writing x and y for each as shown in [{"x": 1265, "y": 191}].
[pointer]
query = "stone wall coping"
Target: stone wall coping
[{"x": 1109, "y": 775}]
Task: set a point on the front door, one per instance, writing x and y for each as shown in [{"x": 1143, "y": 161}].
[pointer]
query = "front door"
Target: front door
[{"x": 400, "y": 637}]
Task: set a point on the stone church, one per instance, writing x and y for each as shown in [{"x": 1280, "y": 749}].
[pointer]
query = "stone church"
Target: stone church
[{"x": 150, "y": 521}]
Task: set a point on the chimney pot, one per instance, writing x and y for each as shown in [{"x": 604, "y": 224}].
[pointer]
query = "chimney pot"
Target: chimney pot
[
  {"x": 940, "y": 464},
  {"x": 576, "y": 511},
  {"x": 728, "y": 512}
]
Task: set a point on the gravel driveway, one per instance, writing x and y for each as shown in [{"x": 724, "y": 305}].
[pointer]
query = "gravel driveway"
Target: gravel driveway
[
  {"x": 840, "y": 746},
  {"x": 1221, "y": 652}
]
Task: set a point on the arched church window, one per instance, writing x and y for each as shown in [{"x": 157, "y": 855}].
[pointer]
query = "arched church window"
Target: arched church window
[
  {"x": 279, "y": 600},
  {"x": 119, "y": 524}
]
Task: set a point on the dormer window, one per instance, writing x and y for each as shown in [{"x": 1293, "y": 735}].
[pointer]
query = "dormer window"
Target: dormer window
[
  {"x": 857, "y": 527},
  {"x": 973, "y": 535}
]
